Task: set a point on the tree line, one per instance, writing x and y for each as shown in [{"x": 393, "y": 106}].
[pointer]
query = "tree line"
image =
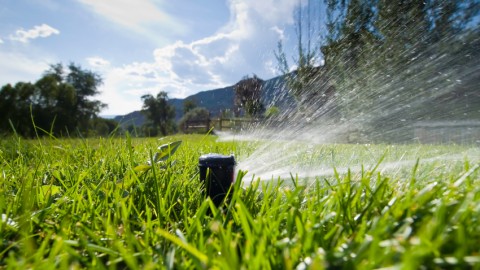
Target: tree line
[{"x": 62, "y": 104}]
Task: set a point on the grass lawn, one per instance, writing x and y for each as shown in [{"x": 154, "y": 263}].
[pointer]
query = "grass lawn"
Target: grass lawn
[{"x": 95, "y": 203}]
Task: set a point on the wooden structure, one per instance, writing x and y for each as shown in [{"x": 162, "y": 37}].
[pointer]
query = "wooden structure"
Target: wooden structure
[
  {"x": 219, "y": 124},
  {"x": 197, "y": 126}
]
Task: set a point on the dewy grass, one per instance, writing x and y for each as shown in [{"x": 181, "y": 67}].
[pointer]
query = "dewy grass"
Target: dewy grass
[{"x": 80, "y": 204}]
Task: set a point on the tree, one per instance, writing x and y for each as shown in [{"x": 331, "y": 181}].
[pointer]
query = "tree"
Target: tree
[
  {"x": 310, "y": 83},
  {"x": 348, "y": 54},
  {"x": 53, "y": 109},
  {"x": 102, "y": 127},
  {"x": 299, "y": 81},
  {"x": 248, "y": 93},
  {"x": 66, "y": 99},
  {"x": 15, "y": 106},
  {"x": 188, "y": 105},
  {"x": 58, "y": 103},
  {"x": 86, "y": 84},
  {"x": 159, "y": 114}
]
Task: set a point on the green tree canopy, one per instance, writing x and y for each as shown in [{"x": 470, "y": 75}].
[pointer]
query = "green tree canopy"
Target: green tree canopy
[
  {"x": 160, "y": 115},
  {"x": 248, "y": 94},
  {"x": 188, "y": 105}
]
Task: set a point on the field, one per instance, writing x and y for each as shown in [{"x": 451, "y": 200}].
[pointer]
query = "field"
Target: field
[{"x": 96, "y": 203}]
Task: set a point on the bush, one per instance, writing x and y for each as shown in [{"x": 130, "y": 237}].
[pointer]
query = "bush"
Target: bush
[
  {"x": 196, "y": 114},
  {"x": 272, "y": 112}
]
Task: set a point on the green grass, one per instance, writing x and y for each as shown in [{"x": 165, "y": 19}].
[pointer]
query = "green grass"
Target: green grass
[{"x": 83, "y": 204}]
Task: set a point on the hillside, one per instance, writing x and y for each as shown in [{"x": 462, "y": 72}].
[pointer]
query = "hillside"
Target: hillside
[
  {"x": 135, "y": 118},
  {"x": 215, "y": 101}
]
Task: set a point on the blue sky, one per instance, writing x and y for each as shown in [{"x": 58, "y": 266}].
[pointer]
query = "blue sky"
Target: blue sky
[{"x": 145, "y": 46}]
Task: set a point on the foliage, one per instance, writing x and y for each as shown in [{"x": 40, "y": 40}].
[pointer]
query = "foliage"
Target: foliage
[
  {"x": 159, "y": 114},
  {"x": 86, "y": 85},
  {"x": 272, "y": 112},
  {"x": 102, "y": 127},
  {"x": 248, "y": 93},
  {"x": 188, "y": 105},
  {"x": 196, "y": 114},
  {"x": 85, "y": 206},
  {"x": 59, "y": 103}
]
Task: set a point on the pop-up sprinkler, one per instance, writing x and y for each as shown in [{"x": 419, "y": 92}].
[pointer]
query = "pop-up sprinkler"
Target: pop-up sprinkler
[{"x": 218, "y": 174}]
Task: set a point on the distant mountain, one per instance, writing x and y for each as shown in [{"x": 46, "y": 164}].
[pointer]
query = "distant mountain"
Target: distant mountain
[
  {"x": 274, "y": 93},
  {"x": 215, "y": 101},
  {"x": 135, "y": 118}
]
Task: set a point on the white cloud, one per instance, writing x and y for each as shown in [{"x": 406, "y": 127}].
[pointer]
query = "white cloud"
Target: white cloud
[
  {"x": 38, "y": 31},
  {"x": 141, "y": 16},
  {"x": 280, "y": 32},
  {"x": 1, "y": 41},
  {"x": 98, "y": 62},
  {"x": 271, "y": 66},
  {"x": 273, "y": 12},
  {"x": 245, "y": 45}
]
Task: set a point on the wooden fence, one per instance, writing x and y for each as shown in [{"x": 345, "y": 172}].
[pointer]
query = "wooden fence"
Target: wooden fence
[
  {"x": 219, "y": 124},
  {"x": 197, "y": 126}
]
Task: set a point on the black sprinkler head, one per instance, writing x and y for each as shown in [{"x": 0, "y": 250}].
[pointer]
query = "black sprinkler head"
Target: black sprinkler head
[{"x": 217, "y": 172}]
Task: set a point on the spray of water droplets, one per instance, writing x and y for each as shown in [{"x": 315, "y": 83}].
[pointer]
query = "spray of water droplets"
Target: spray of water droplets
[{"x": 386, "y": 119}]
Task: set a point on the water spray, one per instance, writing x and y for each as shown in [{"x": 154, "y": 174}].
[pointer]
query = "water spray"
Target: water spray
[{"x": 217, "y": 172}]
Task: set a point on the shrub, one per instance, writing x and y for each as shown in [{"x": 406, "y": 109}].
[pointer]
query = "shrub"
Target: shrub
[{"x": 196, "y": 114}]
